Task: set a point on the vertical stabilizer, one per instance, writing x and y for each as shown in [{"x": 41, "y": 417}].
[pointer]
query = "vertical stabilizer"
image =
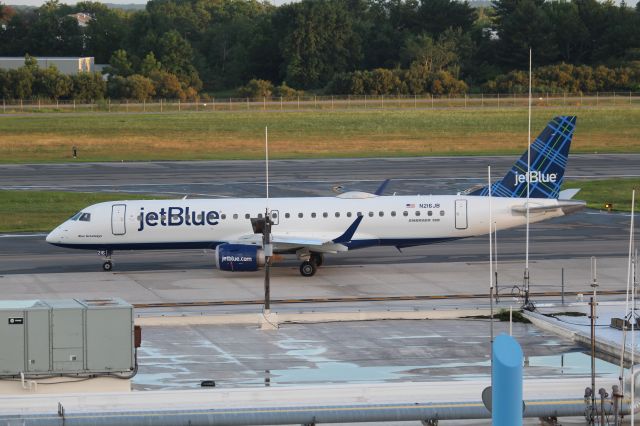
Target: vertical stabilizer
[{"x": 549, "y": 152}]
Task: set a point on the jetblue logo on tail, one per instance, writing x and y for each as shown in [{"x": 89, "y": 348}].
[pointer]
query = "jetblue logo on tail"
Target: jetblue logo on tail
[{"x": 534, "y": 177}]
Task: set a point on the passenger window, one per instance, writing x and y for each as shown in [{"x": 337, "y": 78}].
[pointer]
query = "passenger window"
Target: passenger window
[
  {"x": 405, "y": 213},
  {"x": 300, "y": 215},
  {"x": 235, "y": 215},
  {"x": 393, "y": 213},
  {"x": 274, "y": 215},
  {"x": 223, "y": 216},
  {"x": 325, "y": 214},
  {"x": 359, "y": 214},
  {"x": 85, "y": 217},
  {"x": 337, "y": 214},
  {"x": 348, "y": 214},
  {"x": 259, "y": 215},
  {"x": 313, "y": 214},
  {"x": 381, "y": 214},
  {"x": 441, "y": 212},
  {"x": 200, "y": 216},
  {"x": 417, "y": 212},
  {"x": 429, "y": 213},
  {"x": 370, "y": 214},
  {"x": 287, "y": 215},
  {"x": 247, "y": 216}
]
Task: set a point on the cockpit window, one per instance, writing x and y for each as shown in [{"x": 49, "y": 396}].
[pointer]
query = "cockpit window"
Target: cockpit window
[
  {"x": 85, "y": 217},
  {"x": 75, "y": 216}
]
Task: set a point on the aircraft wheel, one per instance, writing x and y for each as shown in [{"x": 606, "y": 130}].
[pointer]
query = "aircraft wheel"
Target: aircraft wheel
[
  {"x": 317, "y": 258},
  {"x": 308, "y": 269},
  {"x": 107, "y": 266}
]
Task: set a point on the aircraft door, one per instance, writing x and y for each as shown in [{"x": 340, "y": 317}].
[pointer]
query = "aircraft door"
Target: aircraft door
[
  {"x": 275, "y": 217},
  {"x": 118, "y": 216},
  {"x": 461, "y": 214}
]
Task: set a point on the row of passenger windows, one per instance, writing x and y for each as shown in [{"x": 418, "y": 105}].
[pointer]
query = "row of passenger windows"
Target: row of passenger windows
[
  {"x": 274, "y": 215},
  {"x": 313, "y": 215}
]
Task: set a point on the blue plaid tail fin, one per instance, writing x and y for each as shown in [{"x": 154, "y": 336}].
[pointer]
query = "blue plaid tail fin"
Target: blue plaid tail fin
[{"x": 549, "y": 154}]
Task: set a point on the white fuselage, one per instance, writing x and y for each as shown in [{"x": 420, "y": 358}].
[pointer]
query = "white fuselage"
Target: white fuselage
[{"x": 204, "y": 223}]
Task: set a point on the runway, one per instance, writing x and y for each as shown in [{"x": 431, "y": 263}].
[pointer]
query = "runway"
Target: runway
[
  {"x": 580, "y": 235},
  {"x": 291, "y": 178}
]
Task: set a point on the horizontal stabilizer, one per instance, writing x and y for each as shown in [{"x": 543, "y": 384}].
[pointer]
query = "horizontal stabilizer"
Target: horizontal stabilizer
[
  {"x": 567, "y": 206},
  {"x": 568, "y": 194}
]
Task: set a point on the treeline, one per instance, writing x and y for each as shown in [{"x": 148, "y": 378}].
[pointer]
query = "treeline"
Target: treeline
[
  {"x": 30, "y": 81},
  {"x": 177, "y": 48}
]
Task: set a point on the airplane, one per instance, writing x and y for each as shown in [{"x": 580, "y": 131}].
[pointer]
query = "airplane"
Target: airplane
[{"x": 310, "y": 227}]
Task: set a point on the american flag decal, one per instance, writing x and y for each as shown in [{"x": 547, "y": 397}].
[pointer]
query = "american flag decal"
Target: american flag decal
[{"x": 410, "y": 206}]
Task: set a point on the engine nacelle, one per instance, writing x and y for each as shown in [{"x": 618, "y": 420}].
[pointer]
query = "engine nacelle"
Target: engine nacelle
[{"x": 239, "y": 257}]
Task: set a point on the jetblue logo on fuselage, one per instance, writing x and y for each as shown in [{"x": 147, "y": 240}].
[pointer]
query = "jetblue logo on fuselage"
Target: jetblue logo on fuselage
[
  {"x": 534, "y": 177},
  {"x": 176, "y": 216},
  {"x": 231, "y": 258}
]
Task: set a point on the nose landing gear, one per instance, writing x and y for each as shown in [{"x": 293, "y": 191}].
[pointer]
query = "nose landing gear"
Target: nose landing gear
[{"x": 107, "y": 265}]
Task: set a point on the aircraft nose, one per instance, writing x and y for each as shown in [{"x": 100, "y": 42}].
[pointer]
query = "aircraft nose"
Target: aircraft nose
[{"x": 53, "y": 236}]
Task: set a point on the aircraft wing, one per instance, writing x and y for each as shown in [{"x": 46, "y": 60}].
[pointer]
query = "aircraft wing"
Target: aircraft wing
[
  {"x": 286, "y": 242},
  {"x": 318, "y": 242}
]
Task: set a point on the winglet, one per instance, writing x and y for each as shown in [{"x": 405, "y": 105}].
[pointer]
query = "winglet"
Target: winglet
[
  {"x": 382, "y": 187},
  {"x": 348, "y": 234}
]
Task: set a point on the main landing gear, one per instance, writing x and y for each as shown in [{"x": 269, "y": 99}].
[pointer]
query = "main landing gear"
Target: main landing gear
[
  {"x": 309, "y": 267},
  {"x": 107, "y": 265}
]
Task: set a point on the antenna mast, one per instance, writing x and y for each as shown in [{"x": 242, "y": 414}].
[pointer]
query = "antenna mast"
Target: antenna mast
[
  {"x": 526, "y": 265},
  {"x": 490, "y": 258},
  {"x": 266, "y": 162}
]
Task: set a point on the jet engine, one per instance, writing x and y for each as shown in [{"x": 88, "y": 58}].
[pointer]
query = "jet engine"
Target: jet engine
[{"x": 239, "y": 257}]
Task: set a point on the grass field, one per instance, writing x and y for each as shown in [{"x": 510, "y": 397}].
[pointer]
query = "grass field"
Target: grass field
[
  {"x": 616, "y": 191},
  {"x": 240, "y": 135},
  {"x": 33, "y": 211}
]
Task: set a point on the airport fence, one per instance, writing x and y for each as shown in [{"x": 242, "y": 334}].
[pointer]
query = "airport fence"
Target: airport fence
[{"x": 327, "y": 103}]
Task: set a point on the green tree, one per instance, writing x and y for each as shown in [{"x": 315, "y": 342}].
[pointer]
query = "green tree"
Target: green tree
[
  {"x": 150, "y": 65},
  {"x": 176, "y": 55},
  {"x": 15, "y": 37},
  {"x": 53, "y": 32},
  {"x": 570, "y": 34},
  {"x": 523, "y": 24},
  {"x": 438, "y": 15},
  {"x": 256, "y": 89},
  {"x": 167, "y": 85},
  {"x": 287, "y": 92},
  {"x": 49, "y": 83},
  {"x": 140, "y": 87},
  {"x": 21, "y": 82},
  {"x": 107, "y": 30},
  {"x": 120, "y": 64},
  {"x": 118, "y": 87},
  {"x": 318, "y": 40},
  {"x": 88, "y": 86}
]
